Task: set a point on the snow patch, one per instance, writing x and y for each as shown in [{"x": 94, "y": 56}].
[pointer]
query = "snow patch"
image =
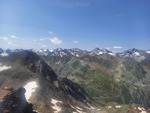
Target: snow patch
[
  {"x": 56, "y": 107},
  {"x": 72, "y": 53},
  {"x": 148, "y": 52},
  {"x": 36, "y": 111},
  {"x": 4, "y": 54},
  {"x": 111, "y": 54},
  {"x": 142, "y": 110},
  {"x": 30, "y": 88},
  {"x": 77, "y": 55},
  {"x": 51, "y": 50},
  {"x": 136, "y": 53},
  {"x": 118, "y": 106},
  {"x": 109, "y": 107},
  {"x": 2, "y": 68},
  {"x": 78, "y": 109},
  {"x": 91, "y": 107},
  {"x": 45, "y": 50},
  {"x": 40, "y": 51},
  {"x": 100, "y": 53}
]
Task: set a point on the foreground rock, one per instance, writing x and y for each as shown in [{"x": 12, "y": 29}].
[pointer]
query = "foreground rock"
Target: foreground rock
[{"x": 15, "y": 102}]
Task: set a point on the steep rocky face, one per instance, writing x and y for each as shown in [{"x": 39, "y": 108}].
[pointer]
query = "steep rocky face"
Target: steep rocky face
[
  {"x": 74, "y": 90},
  {"x": 33, "y": 63},
  {"x": 44, "y": 89}
]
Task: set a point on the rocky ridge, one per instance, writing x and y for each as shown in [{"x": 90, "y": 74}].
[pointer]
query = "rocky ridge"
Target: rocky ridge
[{"x": 27, "y": 68}]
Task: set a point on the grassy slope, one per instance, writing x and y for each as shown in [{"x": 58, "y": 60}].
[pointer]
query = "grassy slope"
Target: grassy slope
[{"x": 105, "y": 78}]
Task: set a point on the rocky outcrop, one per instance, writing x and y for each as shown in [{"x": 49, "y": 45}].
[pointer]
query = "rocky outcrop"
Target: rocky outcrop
[{"x": 15, "y": 102}]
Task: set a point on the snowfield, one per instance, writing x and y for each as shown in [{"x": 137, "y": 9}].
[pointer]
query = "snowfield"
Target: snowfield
[
  {"x": 30, "y": 88},
  {"x": 4, "y": 54},
  {"x": 2, "y": 68}
]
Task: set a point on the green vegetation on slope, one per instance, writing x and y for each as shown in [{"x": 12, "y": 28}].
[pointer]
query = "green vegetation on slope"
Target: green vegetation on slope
[{"x": 97, "y": 75}]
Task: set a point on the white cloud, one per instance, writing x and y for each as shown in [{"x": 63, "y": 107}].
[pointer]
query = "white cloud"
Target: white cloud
[
  {"x": 4, "y": 38},
  {"x": 117, "y": 47},
  {"x": 8, "y": 38},
  {"x": 107, "y": 48},
  {"x": 9, "y": 43},
  {"x": 55, "y": 40},
  {"x": 76, "y": 42},
  {"x": 43, "y": 39},
  {"x": 12, "y": 44},
  {"x": 13, "y": 37},
  {"x": 50, "y": 32}
]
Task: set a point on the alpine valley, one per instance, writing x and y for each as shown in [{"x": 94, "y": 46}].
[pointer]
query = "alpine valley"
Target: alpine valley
[{"x": 74, "y": 81}]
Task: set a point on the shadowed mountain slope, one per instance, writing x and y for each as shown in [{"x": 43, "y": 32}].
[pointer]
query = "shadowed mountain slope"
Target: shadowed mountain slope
[{"x": 44, "y": 89}]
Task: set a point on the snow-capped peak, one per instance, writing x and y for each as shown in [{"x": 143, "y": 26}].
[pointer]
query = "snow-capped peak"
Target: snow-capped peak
[
  {"x": 136, "y": 53},
  {"x": 98, "y": 51},
  {"x": 51, "y": 50}
]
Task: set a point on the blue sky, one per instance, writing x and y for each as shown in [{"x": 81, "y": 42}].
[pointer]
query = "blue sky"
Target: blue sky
[{"x": 86, "y": 24}]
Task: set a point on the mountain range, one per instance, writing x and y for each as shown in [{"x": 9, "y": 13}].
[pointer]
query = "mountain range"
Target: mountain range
[
  {"x": 133, "y": 53},
  {"x": 74, "y": 80}
]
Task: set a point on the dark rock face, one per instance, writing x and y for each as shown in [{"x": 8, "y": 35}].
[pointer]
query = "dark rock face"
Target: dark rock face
[
  {"x": 15, "y": 102},
  {"x": 24, "y": 57},
  {"x": 34, "y": 63},
  {"x": 74, "y": 90}
]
